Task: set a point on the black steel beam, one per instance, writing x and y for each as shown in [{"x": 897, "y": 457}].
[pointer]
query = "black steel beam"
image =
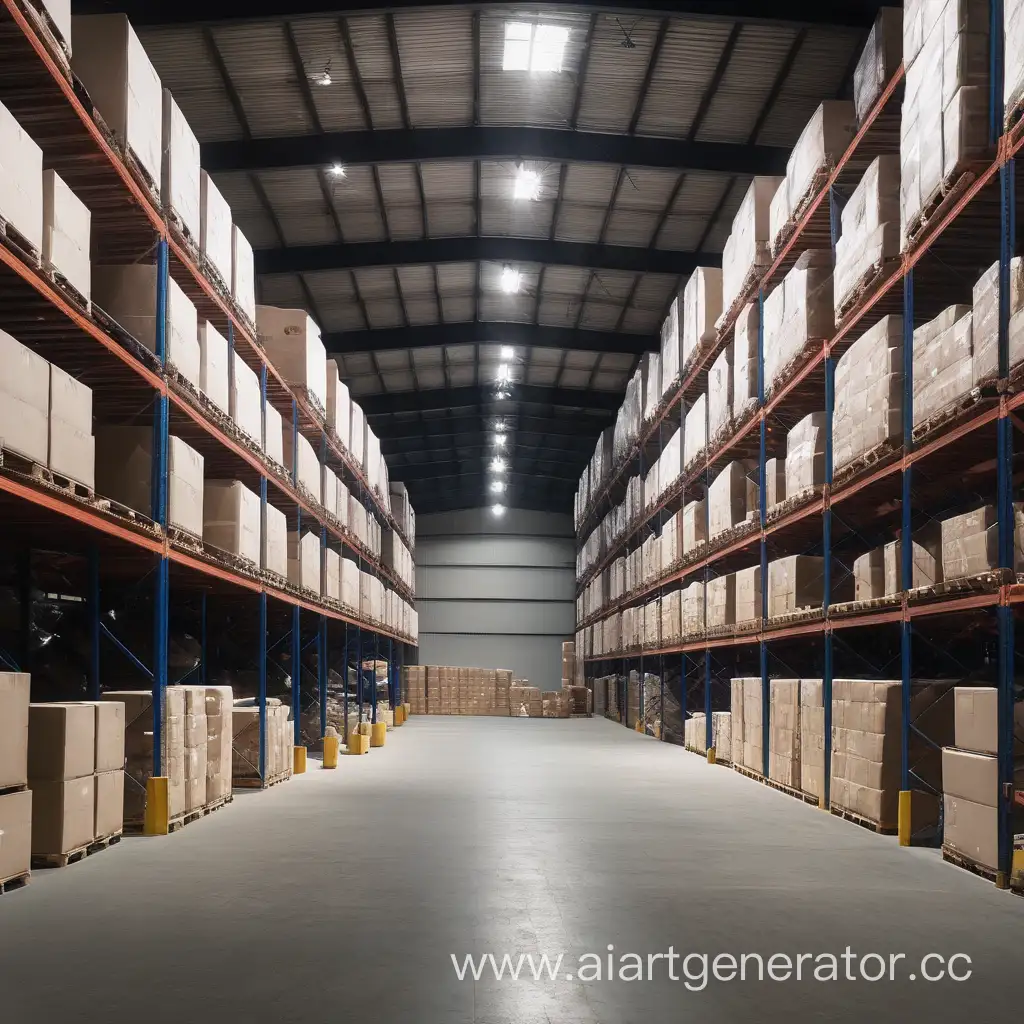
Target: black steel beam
[
  {"x": 403, "y": 145},
  {"x": 858, "y": 13},
  {"x": 440, "y": 472},
  {"x": 483, "y": 444},
  {"x": 471, "y": 249},
  {"x": 490, "y": 332},
  {"x": 404, "y": 436},
  {"x": 470, "y": 397}
]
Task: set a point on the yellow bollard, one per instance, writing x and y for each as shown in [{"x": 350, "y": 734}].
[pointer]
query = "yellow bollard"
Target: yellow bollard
[
  {"x": 378, "y": 732},
  {"x": 711, "y": 756},
  {"x": 358, "y": 743},
  {"x": 331, "y": 746},
  {"x": 364, "y": 728},
  {"x": 406, "y": 710},
  {"x": 903, "y": 818},
  {"x": 157, "y": 821},
  {"x": 298, "y": 760},
  {"x": 399, "y": 715}
]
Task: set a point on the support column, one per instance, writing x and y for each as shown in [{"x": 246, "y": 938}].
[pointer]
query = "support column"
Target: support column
[
  {"x": 321, "y": 669},
  {"x": 763, "y": 510},
  {"x": 261, "y": 667},
  {"x": 907, "y": 557},
  {"x": 297, "y": 675},
  {"x": 826, "y": 683}
]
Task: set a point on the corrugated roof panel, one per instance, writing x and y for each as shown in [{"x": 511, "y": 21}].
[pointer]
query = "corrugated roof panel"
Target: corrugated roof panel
[
  {"x": 565, "y": 281},
  {"x": 575, "y": 378},
  {"x": 616, "y": 72},
  {"x": 456, "y": 278},
  {"x": 399, "y": 381},
  {"x": 720, "y": 230},
  {"x": 321, "y": 49},
  {"x": 446, "y": 219},
  {"x": 523, "y": 97},
  {"x": 392, "y": 359},
  {"x": 817, "y": 73},
  {"x": 590, "y": 183},
  {"x": 611, "y": 285},
  {"x": 383, "y": 313},
  {"x": 600, "y": 314},
  {"x": 364, "y": 384},
  {"x": 357, "y": 363},
  {"x": 246, "y": 209},
  {"x": 546, "y": 356},
  {"x": 697, "y": 198},
  {"x": 631, "y": 227},
  {"x": 261, "y": 69},
  {"x": 577, "y": 360},
  {"x": 543, "y": 376},
  {"x": 490, "y": 278},
  {"x": 506, "y": 308},
  {"x": 369, "y": 36},
  {"x": 422, "y": 311},
  {"x": 641, "y": 321},
  {"x": 616, "y": 361},
  {"x": 498, "y": 178},
  {"x": 335, "y": 298},
  {"x": 685, "y": 66},
  {"x": 558, "y": 311},
  {"x": 645, "y": 188},
  {"x": 608, "y": 381},
  {"x": 355, "y": 199},
  {"x": 516, "y": 217},
  {"x": 376, "y": 283},
  {"x": 298, "y": 202},
  {"x": 448, "y": 179},
  {"x": 737, "y": 103},
  {"x": 402, "y": 199},
  {"x": 460, "y": 354},
  {"x": 424, "y": 357},
  {"x": 282, "y": 290},
  {"x": 579, "y": 223},
  {"x": 186, "y": 68},
  {"x": 462, "y": 376},
  {"x": 457, "y": 309},
  {"x": 430, "y": 377},
  {"x": 436, "y": 51}
]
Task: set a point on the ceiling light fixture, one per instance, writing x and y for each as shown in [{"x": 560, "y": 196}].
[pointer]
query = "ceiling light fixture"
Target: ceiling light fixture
[
  {"x": 338, "y": 171},
  {"x": 498, "y": 510},
  {"x": 527, "y": 185},
  {"x": 499, "y": 440},
  {"x": 508, "y": 352},
  {"x": 325, "y": 78},
  {"x": 497, "y": 465},
  {"x": 497, "y": 487},
  {"x": 501, "y": 395},
  {"x": 504, "y": 373},
  {"x": 510, "y": 280}
]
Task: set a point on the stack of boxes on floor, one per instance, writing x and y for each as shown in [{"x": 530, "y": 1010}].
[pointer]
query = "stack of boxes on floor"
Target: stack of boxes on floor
[
  {"x": 15, "y": 797},
  {"x": 446, "y": 690},
  {"x": 695, "y": 734},
  {"x": 245, "y": 743}
]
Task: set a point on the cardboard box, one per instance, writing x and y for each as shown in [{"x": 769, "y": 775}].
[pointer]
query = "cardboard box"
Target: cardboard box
[
  {"x": 243, "y": 273},
  {"x": 128, "y": 294},
  {"x": 61, "y": 742},
  {"x": 976, "y": 720},
  {"x": 14, "y": 701},
  {"x": 21, "y": 180},
  {"x": 214, "y": 367},
  {"x": 747, "y": 247},
  {"x": 110, "y": 732},
  {"x": 244, "y": 402},
  {"x": 24, "y": 400},
  {"x": 274, "y": 544},
  {"x": 927, "y": 560},
  {"x": 109, "y": 813},
  {"x": 985, "y": 321},
  {"x": 308, "y": 472},
  {"x": 60, "y": 15},
  {"x": 970, "y": 785},
  {"x": 292, "y": 342},
  {"x": 701, "y": 308},
  {"x": 125, "y": 473},
  {"x": 744, "y": 362},
  {"x": 66, "y": 226},
  {"x": 695, "y": 432},
  {"x": 71, "y": 449},
  {"x": 304, "y": 560},
  {"x": 784, "y": 737},
  {"x": 357, "y": 427},
  {"x": 215, "y": 240},
  {"x": 338, "y": 404},
  {"x": 273, "y": 434},
  {"x": 733, "y": 497},
  {"x": 748, "y": 594},
  {"x": 794, "y": 583},
  {"x": 721, "y": 601},
  {"x": 970, "y": 542},
  {"x": 16, "y": 833},
  {"x": 63, "y": 815},
  {"x": 122, "y": 83},
  {"x": 879, "y": 60},
  {"x": 180, "y": 169},
  {"x": 746, "y": 723},
  {"x": 805, "y": 455},
  {"x": 219, "y": 732},
  {"x": 812, "y": 737},
  {"x": 231, "y": 518},
  {"x": 350, "y": 583},
  {"x": 869, "y": 575}
]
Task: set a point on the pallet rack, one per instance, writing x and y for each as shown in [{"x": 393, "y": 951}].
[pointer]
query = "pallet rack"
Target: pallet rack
[
  {"x": 67, "y": 543},
  {"x": 972, "y": 227}
]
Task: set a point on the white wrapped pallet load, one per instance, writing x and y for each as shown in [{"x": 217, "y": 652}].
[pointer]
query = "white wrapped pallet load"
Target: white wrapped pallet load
[
  {"x": 337, "y": 403},
  {"x": 671, "y": 461},
  {"x": 21, "y": 181},
  {"x": 123, "y": 86},
  {"x": 232, "y": 518},
  {"x": 878, "y": 61},
  {"x": 307, "y": 470},
  {"x": 273, "y": 434},
  {"x": 693, "y": 609},
  {"x": 797, "y": 313},
  {"x": 747, "y": 250},
  {"x": 652, "y": 386},
  {"x": 213, "y": 366},
  {"x": 350, "y": 583},
  {"x": 720, "y": 395},
  {"x": 292, "y": 342},
  {"x": 180, "y": 175},
  {"x": 732, "y": 497},
  {"x": 274, "y": 546},
  {"x": 215, "y": 229},
  {"x": 780, "y": 213},
  {"x": 869, "y": 575},
  {"x": 870, "y": 231},
  {"x": 805, "y": 455},
  {"x": 701, "y": 308},
  {"x": 775, "y": 482},
  {"x": 304, "y": 560},
  {"x": 357, "y": 424},
  {"x": 59, "y": 13},
  {"x": 748, "y": 595},
  {"x": 869, "y": 392},
  {"x": 943, "y": 128},
  {"x": 695, "y": 432},
  {"x": 124, "y": 472},
  {"x": 943, "y": 362},
  {"x": 244, "y": 403},
  {"x": 795, "y": 583},
  {"x": 985, "y": 328},
  {"x": 744, "y": 362},
  {"x": 67, "y": 224},
  {"x": 721, "y": 601},
  {"x": 329, "y": 491},
  {"x": 1013, "y": 66},
  {"x": 71, "y": 449},
  {"x": 671, "y": 345},
  {"x": 243, "y": 274},
  {"x": 128, "y": 294},
  {"x": 330, "y": 584},
  {"x": 695, "y": 527}
]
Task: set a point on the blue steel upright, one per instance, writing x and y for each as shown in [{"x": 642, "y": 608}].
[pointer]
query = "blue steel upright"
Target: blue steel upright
[
  {"x": 763, "y": 514},
  {"x": 297, "y": 675},
  {"x": 826, "y": 683},
  {"x": 906, "y": 538},
  {"x": 321, "y": 669}
]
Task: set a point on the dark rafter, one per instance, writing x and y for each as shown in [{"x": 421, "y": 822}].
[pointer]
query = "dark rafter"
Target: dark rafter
[
  {"x": 478, "y": 443},
  {"x": 472, "y": 469},
  {"x": 404, "y": 435},
  {"x": 474, "y": 396}
]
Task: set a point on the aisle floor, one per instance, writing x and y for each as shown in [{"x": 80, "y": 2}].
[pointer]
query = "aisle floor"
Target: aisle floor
[{"x": 344, "y": 894}]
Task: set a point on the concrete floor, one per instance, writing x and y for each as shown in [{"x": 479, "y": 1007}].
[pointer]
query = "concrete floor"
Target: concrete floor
[{"x": 341, "y": 895}]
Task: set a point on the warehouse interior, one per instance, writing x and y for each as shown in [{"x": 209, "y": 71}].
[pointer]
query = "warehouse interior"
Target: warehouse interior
[{"x": 511, "y": 512}]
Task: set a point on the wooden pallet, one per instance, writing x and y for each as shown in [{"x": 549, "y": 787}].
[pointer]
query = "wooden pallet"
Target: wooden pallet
[
  {"x": 16, "y": 464},
  {"x": 866, "y": 461},
  {"x": 259, "y": 783},
  {"x": 749, "y": 773},
  {"x": 137, "y": 826},
  {"x": 125, "y": 339},
  {"x": 14, "y": 240},
  {"x": 62, "y": 860},
  {"x": 959, "y": 859},
  {"x": 47, "y": 32},
  {"x": 63, "y": 285},
  {"x": 186, "y": 540},
  {"x": 857, "y": 819},
  {"x": 982, "y": 583},
  {"x": 798, "y": 794},
  {"x": 953, "y": 412},
  {"x": 867, "y": 285},
  {"x": 946, "y": 195},
  {"x": 15, "y": 882}
]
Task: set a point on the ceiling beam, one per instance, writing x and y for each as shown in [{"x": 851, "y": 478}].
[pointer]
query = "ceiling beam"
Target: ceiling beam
[
  {"x": 469, "y": 397},
  {"x": 472, "y": 249},
  {"x": 490, "y": 332},
  {"x": 404, "y": 145},
  {"x": 405, "y": 436},
  {"x": 476, "y": 443},
  {"x": 857, "y": 13},
  {"x": 442, "y": 471}
]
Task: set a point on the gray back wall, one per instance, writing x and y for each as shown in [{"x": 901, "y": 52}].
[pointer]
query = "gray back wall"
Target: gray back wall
[{"x": 496, "y": 593}]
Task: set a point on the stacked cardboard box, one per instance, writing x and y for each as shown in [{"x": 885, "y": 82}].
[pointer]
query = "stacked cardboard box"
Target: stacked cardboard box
[
  {"x": 215, "y": 229},
  {"x": 870, "y": 229},
  {"x": 943, "y": 362},
  {"x": 695, "y": 526},
  {"x": 24, "y": 400},
  {"x": 304, "y": 561},
  {"x": 721, "y": 601},
  {"x": 214, "y": 370},
  {"x": 15, "y": 797},
  {"x": 747, "y": 250},
  {"x": 985, "y": 328},
  {"x": 339, "y": 410},
  {"x": 812, "y": 737},
  {"x": 568, "y": 663},
  {"x": 554, "y": 704},
  {"x": 869, "y": 575},
  {"x": 744, "y": 362},
  {"x": 784, "y": 732},
  {"x": 695, "y": 432},
  {"x": 219, "y": 735},
  {"x": 775, "y": 482},
  {"x": 732, "y": 497},
  {"x": 701, "y": 308},
  {"x": 693, "y": 609},
  {"x": 970, "y": 542},
  {"x": 869, "y": 392},
  {"x": 720, "y": 396},
  {"x": 414, "y": 688},
  {"x": 926, "y": 558},
  {"x": 879, "y": 60},
  {"x": 794, "y": 583},
  {"x": 21, "y": 181},
  {"x": 970, "y": 775},
  {"x": 66, "y": 226},
  {"x": 243, "y": 273},
  {"x": 805, "y": 455},
  {"x": 274, "y": 542},
  {"x": 245, "y": 727},
  {"x": 502, "y": 691},
  {"x": 138, "y": 744},
  {"x": 196, "y": 753},
  {"x": 245, "y": 407},
  {"x": 231, "y": 519},
  {"x": 633, "y": 699},
  {"x": 721, "y": 734},
  {"x": 748, "y": 594},
  {"x": 71, "y": 447},
  {"x": 746, "y": 723},
  {"x": 695, "y": 732}
]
